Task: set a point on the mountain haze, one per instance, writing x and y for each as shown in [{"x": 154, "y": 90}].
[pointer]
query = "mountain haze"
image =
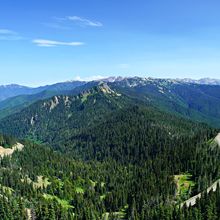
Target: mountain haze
[{"x": 8, "y": 91}]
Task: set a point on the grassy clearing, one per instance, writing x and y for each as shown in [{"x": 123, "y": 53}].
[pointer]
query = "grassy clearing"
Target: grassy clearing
[
  {"x": 85, "y": 96},
  {"x": 64, "y": 203},
  {"x": 117, "y": 215},
  {"x": 184, "y": 184},
  {"x": 58, "y": 182},
  {"x": 42, "y": 182},
  {"x": 6, "y": 189},
  {"x": 93, "y": 183},
  {"x": 79, "y": 190}
]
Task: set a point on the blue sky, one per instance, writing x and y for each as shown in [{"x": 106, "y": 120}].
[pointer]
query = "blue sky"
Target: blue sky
[{"x": 46, "y": 41}]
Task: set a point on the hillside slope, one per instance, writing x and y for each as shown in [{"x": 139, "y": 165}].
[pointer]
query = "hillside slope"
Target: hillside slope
[
  {"x": 192, "y": 101},
  {"x": 120, "y": 151},
  {"x": 18, "y": 100},
  {"x": 185, "y": 98},
  {"x": 113, "y": 154},
  {"x": 8, "y": 91},
  {"x": 55, "y": 118}
]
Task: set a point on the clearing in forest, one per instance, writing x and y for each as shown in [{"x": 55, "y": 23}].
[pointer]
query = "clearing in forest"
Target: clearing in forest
[
  {"x": 10, "y": 151},
  {"x": 64, "y": 203},
  {"x": 42, "y": 182},
  {"x": 184, "y": 185}
]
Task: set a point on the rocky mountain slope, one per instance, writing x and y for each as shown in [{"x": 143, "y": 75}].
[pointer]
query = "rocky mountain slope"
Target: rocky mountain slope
[
  {"x": 112, "y": 149},
  {"x": 185, "y": 98}
]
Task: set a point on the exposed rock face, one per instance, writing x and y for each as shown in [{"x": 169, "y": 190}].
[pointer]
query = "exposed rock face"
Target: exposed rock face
[
  {"x": 10, "y": 151},
  {"x": 217, "y": 139},
  {"x": 54, "y": 103},
  {"x": 107, "y": 90}
]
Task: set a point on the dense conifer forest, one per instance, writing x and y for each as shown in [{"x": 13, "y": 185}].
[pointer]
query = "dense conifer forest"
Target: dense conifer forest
[{"x": 106, "y": 155}]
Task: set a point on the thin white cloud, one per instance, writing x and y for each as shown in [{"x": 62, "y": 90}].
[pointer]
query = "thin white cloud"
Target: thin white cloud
[
  {"x": 90, "y": 78},
  {"x": 67, "y": 22},
  {"x": 6, "y": 34},
  {"x": 52, "y": 43},
  {"x": 84, "y": 22}
]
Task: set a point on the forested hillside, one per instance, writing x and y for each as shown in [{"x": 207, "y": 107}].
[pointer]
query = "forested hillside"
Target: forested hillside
[
  {"x": 185, "y": 98},
  {"x": 60, "y": 117},
  {"x": 20, "y": 100},
  {"x": 105, "y": 155},
  {"x": 47, "y": 185},
  {"x": 13, "y": 90},
  {"x": 193, "y": 101},
  {"x": 80, "y": 142},
  {"x": 17, "y": 103}
]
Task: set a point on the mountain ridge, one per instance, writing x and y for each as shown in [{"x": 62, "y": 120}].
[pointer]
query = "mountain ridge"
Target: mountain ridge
[
  {"x": 205, "y": 80},
  {"x": 111, "y": 151},
  {"x": 194, "y": 101},
  {"x": 12, "y": 90}
]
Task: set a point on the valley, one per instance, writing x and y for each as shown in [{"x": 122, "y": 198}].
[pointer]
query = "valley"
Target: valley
[
  {"x": 130, "y": 148},
  {"x": 109, "y": 110}
]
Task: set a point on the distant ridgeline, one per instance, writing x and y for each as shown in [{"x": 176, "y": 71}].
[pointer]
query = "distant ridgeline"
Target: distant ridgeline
[
  {"x": 196, "y": 100},
  {"x": 118, "y": 149}
]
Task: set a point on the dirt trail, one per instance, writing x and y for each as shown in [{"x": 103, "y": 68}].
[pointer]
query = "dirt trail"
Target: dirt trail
[{"x": 192, "y": 201}]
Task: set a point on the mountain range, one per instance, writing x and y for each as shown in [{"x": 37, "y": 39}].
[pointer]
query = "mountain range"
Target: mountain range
[
  {"x": 116, "y": 148},
  {"x": 7, "y": 91},
  {"x": 190, "y": 99}
]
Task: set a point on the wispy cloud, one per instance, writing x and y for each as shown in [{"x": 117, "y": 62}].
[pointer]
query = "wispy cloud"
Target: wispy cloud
[
  {"x": 84, "y": 22},
  {"x": 90, "y": 78},
  {"x": 52, "y": 43},
  {"x": 68, "y": 22},
  {"x": 6, "y": 34}
]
